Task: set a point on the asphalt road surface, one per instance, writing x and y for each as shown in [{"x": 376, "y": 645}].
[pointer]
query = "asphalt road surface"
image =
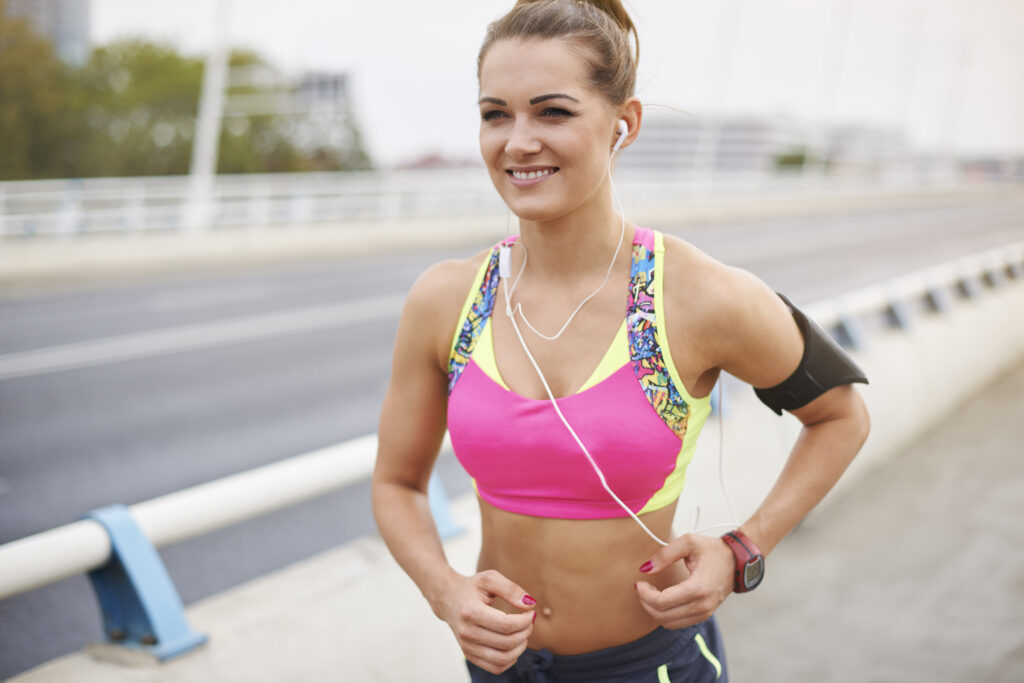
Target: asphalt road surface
[{"x": 120, "y": 392}]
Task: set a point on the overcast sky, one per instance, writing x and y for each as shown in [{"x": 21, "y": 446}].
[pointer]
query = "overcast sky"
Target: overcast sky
[{"x": 950, "y": 72}]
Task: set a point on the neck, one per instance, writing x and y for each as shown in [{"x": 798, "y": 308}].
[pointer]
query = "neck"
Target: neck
[{"x": 575, "y": 244}]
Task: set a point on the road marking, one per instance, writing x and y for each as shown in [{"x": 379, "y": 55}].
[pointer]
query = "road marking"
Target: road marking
[
  {"x": 196, "y": 336},
  {"x": 182, "y": 299}
]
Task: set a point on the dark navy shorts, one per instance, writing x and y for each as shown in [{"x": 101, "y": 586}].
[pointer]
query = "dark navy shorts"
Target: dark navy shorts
[{"x": 689, "y": 655}]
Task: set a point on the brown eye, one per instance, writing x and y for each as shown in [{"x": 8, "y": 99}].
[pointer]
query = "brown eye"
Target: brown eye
[
  {"x": 556, "y": 113},
  {"x": 492, "y": 115}
]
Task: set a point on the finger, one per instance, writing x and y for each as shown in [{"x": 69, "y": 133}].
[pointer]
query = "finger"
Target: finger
[
  {"x": 495, "y": 583},
  {"x": 668, "y": 612},
  {"x": 495, "y": 620},
  {"x": 493, "y": 660},
  {"x": 677, "y": 549},
  {"x": 678, "y": 594},
  {"x": 477, "y": 635}
]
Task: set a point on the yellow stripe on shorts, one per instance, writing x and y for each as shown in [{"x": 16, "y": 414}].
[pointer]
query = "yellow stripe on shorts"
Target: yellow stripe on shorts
[
  {"x": 708, "y": 655},
  {"x": 663, "y": 674}
]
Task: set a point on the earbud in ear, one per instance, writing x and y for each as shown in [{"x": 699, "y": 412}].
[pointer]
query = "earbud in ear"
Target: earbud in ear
[{"x": 623, "y": 132}]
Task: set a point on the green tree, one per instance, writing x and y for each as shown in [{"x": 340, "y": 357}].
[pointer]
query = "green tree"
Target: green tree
[
  {"x": 38, "y": 125},
  {"x": 130, "y": 110},
  {"x": 141, "y": 100}
]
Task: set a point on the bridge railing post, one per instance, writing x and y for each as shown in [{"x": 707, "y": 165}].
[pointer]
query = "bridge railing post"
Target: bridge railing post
[{"x": 141, "y": 607}]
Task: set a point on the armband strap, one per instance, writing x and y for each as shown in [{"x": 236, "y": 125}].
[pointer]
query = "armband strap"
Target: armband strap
[{"x": 824, "y": 365}]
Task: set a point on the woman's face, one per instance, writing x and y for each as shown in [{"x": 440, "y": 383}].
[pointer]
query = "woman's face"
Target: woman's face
[{"x": 545, "y": 134}]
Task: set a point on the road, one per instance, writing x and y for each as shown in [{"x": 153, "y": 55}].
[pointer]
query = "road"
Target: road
[{"x": 125, "y": 391}]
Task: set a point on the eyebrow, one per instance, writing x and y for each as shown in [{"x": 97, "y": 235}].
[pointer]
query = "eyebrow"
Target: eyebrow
[
  {"x": 552, "y": 96},
  {"x": 535, "y": 100}
]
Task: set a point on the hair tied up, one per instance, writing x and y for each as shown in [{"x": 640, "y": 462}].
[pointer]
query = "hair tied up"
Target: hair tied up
[{"x": 601, "y": 26}]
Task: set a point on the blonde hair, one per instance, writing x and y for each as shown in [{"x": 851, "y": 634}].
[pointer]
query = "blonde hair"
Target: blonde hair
[{"x": 600, "y": 27}]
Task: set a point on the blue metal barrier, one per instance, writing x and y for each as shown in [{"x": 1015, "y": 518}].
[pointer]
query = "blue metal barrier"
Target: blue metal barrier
[
  {"x": 141, "y": 607},
  {"x": 441, "y": 510}
]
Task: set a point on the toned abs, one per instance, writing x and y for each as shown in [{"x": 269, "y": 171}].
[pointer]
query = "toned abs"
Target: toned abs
[{"x": 581, "y": 572}]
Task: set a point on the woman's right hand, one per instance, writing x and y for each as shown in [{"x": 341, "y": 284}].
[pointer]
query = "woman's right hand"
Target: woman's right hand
[{"x": 490, "y": 638}]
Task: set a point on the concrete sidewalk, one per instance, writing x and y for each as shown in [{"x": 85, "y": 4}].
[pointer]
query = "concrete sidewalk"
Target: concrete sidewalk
[{"x": 915, "y": 573}]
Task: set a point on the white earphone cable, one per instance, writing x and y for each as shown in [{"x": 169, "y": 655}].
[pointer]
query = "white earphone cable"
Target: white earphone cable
[
  {"x": 554, "y": 403},
  {"x": 511, "y": 313},
  {"x": 618, "y": 247},
  {"x": 721, "y": 474}
]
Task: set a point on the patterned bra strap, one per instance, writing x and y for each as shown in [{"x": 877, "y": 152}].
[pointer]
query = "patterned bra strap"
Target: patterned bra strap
[
  {"x": 473, "y": 324},
  {"x": 645, "y": 354}
]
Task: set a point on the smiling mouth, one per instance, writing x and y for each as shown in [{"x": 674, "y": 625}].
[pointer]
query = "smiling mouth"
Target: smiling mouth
[{"x": 532, "y": 175}]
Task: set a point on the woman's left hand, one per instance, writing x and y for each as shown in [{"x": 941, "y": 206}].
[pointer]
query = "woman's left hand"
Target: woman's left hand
[{"x": 712, "y": 568}]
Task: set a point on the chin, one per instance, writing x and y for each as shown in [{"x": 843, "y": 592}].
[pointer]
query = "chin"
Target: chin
[
  {"x": 530, "y": 211},
  {"x": 535, "y": 207}
]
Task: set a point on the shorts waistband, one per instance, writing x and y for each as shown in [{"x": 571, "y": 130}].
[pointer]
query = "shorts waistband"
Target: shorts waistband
[{"x": 660, "y": 643}]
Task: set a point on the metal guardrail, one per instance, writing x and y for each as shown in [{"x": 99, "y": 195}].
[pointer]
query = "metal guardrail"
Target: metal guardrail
[
  {"x": 76, "y": 207},
  {"x": 117, "y": 545}
]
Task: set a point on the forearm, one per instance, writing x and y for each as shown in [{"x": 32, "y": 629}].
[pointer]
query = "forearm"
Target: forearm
[
  {"x": 407, "y": 526},
  {"x": 819, "y": 457}
]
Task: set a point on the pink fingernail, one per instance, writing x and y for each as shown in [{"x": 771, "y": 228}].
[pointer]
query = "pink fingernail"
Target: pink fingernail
[
  {"x": 534, "y": 617},
  {"x": 646, "y": 566},
  {"x": 528, "y": 600}
]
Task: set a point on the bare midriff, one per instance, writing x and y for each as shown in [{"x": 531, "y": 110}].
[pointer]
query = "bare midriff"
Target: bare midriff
[{"x": 581, "y": 572}]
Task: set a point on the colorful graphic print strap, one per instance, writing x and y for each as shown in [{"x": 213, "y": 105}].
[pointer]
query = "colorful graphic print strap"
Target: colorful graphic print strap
[
  {"x": 473, "y": 325},
  {"x": 644, "y": 352}
]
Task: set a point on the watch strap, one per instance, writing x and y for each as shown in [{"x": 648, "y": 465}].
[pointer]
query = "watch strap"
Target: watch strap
[{"x": 747, "y": 554}]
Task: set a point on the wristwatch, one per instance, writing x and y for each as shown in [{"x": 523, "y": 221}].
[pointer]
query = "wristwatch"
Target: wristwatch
[{"x": 749, "y": 561}]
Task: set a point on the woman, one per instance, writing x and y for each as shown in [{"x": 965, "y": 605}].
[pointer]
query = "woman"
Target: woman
[{"x": 569, "y": 586}]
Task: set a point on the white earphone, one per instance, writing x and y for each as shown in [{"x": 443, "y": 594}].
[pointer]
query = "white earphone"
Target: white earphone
[{"x": 623, "y": 132}]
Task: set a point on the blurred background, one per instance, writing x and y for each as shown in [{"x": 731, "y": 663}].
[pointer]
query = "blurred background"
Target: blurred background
[
  {"x": 322, "y": 85},
  {"x": 210, "y": 213}
]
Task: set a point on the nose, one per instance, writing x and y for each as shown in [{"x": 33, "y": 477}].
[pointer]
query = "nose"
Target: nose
[{"x": 522, "y": 141}]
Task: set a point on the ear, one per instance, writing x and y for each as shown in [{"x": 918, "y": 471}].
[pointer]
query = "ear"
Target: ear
[{"x": 632, "y": 112}]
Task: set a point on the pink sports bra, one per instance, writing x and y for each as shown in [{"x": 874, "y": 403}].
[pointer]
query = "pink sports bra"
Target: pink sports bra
[{"x": 633, "y": 413}]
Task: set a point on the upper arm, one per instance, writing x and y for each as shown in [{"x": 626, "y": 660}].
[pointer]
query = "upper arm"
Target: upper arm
[
  {"x": 413, "y": 416},
  {"x": 760, "y": 344},
  {"x": 743, "y": 327},
  {"x": 728, "y": 319}
]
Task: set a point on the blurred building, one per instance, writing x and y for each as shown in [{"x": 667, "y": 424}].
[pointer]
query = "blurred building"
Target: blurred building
[
  {"x": 260, "y": 90},
  {"x": 316, "y": 105},
  {"x": 675, "y": 143},
  {"x": 64, "y": 22},
  {"x": 852, "y": 149}
]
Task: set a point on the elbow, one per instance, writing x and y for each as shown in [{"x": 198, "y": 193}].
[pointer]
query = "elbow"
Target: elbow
[{"x": 860, "y": 419}]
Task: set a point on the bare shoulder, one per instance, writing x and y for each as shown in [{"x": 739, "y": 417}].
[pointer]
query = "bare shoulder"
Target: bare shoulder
[
  {"x": 711, "y": 292},
  {"x": 435, "y": 300},
  {"x": 734, "y": 320}
]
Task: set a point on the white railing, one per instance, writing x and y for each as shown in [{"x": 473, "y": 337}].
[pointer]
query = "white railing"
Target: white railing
[
  {"x": 82, "y": 546},
  {"x": 77, "y": 207}
]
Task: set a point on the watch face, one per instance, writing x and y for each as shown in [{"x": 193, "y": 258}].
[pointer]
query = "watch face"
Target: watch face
[{"x": 753, "y": 572}]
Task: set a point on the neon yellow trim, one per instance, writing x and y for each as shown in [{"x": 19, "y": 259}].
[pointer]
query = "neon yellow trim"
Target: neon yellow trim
[
  {"x": 663, "y": 674},
  {"x": 708, "y": 655},
  {"x": 700, "y": 408},
  {"x": 614, "y": 358},
  {"x": 483, "y": 356},
  {"x": 477, "y": 281}
]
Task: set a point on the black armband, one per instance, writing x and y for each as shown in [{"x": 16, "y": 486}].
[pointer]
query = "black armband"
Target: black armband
[{"x": 823, "y": 366}]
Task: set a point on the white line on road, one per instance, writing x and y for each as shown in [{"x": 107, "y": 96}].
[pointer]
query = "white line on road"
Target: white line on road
[{"x": 196, "y": 336}]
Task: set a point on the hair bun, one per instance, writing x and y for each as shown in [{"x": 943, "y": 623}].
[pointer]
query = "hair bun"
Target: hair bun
[{"x": 603, "y": 26}]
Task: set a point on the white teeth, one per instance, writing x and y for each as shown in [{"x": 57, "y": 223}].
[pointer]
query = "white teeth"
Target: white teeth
[{"x": 530, "y": 175}]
